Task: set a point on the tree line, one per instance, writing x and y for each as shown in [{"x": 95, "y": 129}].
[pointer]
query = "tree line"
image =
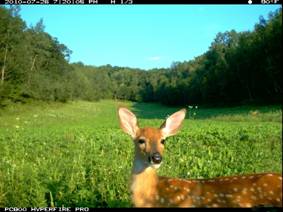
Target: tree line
[{"x": 239, "y": 67}]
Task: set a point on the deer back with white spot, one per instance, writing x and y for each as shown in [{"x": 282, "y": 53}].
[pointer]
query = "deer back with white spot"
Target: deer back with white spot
[{"x": 149, "y": 190}]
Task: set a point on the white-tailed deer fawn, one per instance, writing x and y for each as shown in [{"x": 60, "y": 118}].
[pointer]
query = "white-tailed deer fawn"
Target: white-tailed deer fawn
[{"x": 150, "y": 190}]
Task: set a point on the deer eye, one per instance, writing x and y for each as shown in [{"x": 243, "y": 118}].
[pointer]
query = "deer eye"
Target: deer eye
[
  {"x": 162, "y": 141},
  {"x": 141, "y": 141}
]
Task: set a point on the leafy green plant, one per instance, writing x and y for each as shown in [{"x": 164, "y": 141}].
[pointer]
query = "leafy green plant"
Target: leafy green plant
[{"x": 75, "y": 154}]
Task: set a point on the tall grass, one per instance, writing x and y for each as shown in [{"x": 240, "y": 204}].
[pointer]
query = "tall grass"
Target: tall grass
[{"x": 75, "y": 154}]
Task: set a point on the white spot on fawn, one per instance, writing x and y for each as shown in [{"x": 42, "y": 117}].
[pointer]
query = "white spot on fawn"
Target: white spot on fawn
[
  {"x": 244, "y": 191},
  {"x": 260, "y": 196},
  {"x": 248, "y": 205},
  {"x": 187, "y": 189},
  {"x": 219, "y": 200},
  {"x": 271, "y": 192},
  {"x": 235, "y": 189},
  {"x": 198, "y": 197},
  {"x": 253, "y": 197}
]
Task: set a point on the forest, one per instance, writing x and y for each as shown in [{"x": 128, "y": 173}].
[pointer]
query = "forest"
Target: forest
[
  {"x": 238, "y": 68},
  {"x": 61, "y": 144}
]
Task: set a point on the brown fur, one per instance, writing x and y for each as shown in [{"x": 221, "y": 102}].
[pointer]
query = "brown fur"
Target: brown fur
[{"x": 150, "y": 190}]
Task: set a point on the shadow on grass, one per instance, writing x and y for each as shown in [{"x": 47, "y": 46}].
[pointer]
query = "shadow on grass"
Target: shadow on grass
[
  {"x": 152, "y": 111},
  {"x": 237, "y": 113}
]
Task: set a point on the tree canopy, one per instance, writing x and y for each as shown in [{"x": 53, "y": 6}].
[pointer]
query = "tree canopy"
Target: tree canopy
[{"x": 239, "y": 67}]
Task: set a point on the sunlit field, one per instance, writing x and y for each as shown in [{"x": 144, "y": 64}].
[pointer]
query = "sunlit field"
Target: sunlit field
[{"x": 75, "y": 154}]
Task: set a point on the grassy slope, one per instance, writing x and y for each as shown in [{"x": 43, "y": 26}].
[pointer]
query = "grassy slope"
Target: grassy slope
[{"x": 75, "y": 154}]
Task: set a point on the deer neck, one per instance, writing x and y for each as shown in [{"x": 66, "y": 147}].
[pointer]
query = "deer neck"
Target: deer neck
[{"x": 144, "y": 182}]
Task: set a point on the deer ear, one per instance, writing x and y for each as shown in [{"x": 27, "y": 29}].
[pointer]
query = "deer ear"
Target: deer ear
[
  {"x": 173, "y": 123},
  {"x": 128, "y": 122}
]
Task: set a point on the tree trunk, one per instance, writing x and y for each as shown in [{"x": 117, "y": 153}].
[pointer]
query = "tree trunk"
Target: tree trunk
[
  {"x": 33, "y": 63},
  {"x": 31, "y": 69},
  {"x": 4, "y": 66}
]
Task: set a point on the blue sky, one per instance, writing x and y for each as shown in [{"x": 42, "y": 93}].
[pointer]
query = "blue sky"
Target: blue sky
[{"x": 141, "y": 36}]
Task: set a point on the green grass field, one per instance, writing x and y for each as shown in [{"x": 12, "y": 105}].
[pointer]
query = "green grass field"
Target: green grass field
[{"x": 74, "y": 154}]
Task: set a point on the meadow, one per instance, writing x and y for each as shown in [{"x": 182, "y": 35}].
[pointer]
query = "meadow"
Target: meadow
[{"x": 75, "y": 154}]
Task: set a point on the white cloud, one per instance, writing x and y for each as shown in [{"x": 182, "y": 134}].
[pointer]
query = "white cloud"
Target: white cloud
[{"x": 154, "y": 58}]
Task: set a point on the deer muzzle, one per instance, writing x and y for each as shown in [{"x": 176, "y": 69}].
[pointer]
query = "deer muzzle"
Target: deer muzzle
[{"x": 155, "y": 158}]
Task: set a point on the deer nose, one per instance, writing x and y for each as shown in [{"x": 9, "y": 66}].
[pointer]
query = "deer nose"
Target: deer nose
[{"x": 156, "y": 158}]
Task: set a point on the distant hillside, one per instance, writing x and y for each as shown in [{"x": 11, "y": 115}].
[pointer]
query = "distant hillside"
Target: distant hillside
[{"x": 239, "y": 67}]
